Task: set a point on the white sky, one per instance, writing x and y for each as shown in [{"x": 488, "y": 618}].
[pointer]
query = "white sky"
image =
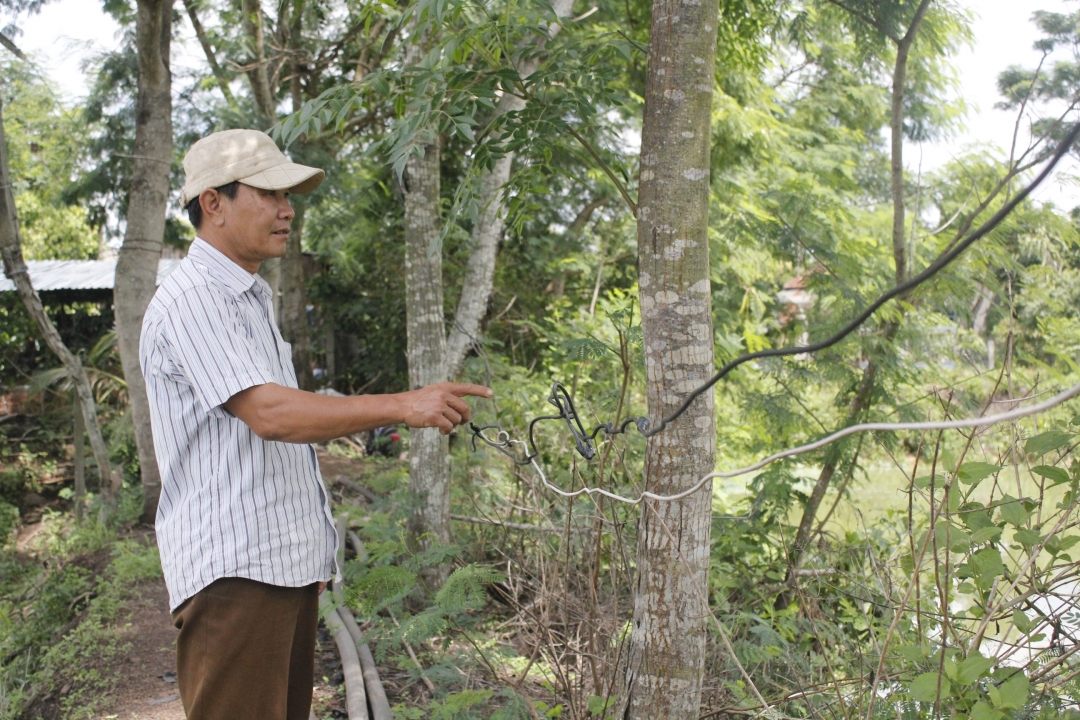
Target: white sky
[{"x": 66, "y": 32}]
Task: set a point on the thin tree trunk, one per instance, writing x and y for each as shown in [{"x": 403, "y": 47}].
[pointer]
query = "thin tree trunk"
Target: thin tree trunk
[
  {"x": 15, "y": 269},
  {"x": 896, "y": 127},
  {"x": 80, "y": 458},
  {"x": 429, "y": 461},
  {"x": 137, "y": 263},
  {"x": 863, "y": 394},
  {"x": 434, "y": 359},
  {"x": 667, "y": 643},
  {"x": 12, "y": 47},
  {"x": 208, "y": 50},
  {"x": 480, "y": 273},
  {"x": 293, "y": 319},
  {"x": 258, "y": 70}
]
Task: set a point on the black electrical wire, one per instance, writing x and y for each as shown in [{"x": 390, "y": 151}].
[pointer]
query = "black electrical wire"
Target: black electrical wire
[
  {"x": 584, "y": 442},
  {"x": 913, "y": 282}
]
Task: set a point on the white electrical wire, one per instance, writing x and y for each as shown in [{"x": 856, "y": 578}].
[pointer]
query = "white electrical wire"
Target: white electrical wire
[{"x": 505, "y": 441}]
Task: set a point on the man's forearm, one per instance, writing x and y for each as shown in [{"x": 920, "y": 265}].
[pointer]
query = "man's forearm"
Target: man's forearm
[{"x": 275, "y": 412}]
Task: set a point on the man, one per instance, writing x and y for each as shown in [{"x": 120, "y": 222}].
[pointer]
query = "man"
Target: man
[{"x": 244, "y": 528}]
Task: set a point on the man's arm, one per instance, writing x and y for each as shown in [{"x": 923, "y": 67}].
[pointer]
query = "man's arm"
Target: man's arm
[{"x": 276, "y": 412}]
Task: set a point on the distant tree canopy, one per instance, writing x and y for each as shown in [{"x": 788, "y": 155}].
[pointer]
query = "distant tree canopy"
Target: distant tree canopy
[{"x": 46, "y": 141}]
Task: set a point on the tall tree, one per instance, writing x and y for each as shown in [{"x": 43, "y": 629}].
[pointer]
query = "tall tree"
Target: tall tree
[
  {"x": 434, "y": 354},
  {"x": 15, "y": 269},
  {"x": 137, "y": 264},
  {"x": 477, "y": 286},
  {"x": 293, "y": 316},
  {"x": 429, "y": 468},
  {"x": 887, "y": 19},
  {"x": 667, "y": 641}
]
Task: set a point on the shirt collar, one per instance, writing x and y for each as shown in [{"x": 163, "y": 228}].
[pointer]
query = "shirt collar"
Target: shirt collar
[{"x": 235, "y": 278}]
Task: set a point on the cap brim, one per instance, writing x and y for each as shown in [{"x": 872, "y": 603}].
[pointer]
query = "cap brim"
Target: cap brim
[{"x": 286, "y": 176}]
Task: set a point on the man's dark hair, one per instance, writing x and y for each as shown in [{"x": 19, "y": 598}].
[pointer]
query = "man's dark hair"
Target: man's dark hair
[{"x": 194, "y": 209}]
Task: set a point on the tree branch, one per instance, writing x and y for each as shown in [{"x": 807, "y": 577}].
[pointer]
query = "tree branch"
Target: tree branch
[
  {"x": 208, "y": 50},
  {"x": 865, "y": 18},
  {"x": 6, "y": 42}
]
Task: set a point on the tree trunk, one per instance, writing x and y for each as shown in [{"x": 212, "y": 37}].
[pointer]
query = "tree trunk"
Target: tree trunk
[
  {"x": 434, "y": 359},
  {"x": 137, "y": 263},
  {"x": 293, "y": 320},
  {"x": 211, "y": 58},
  {"x": 480, "y": 273},
  {"x": 667, "y": 641},
  {"x": 863, "y": 394},
  {"x": 293, "y": 316},
  {"x": 429, "y": 468},
  {"x": 258, "y": 70},
  {"x": 859, "y": 402},
  {"x": 15, "y": 269},
  {"x": 79, "y": 458},
  {"x": 896, "y": 127}
]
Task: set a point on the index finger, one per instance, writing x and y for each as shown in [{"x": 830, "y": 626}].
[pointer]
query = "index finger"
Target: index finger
[{"x": 468, "y": 389}]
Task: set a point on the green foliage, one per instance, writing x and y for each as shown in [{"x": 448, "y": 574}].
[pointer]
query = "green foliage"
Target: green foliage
[
  {"x": 800, "y": 196},
  {"x": 464, "y": 589},
  {"x": 45, "y": 140}
]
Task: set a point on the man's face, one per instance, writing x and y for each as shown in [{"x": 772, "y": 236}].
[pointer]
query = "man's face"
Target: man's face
[{"x": 256, "y": 224}]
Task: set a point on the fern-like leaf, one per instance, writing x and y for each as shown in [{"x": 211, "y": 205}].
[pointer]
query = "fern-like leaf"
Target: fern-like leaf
[
  {"x": 382, "y": 586},
  {"x": 464, "y": 589},
  {"x": 423, "y": 626},
  {"x": 585, "y": 348}
]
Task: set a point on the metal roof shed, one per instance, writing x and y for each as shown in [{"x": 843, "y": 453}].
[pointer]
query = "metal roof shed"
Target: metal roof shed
[{"x": 89, "y": 280}]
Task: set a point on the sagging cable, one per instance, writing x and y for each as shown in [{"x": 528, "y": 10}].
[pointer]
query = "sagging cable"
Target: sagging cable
[{"x": 506, "y": 445}]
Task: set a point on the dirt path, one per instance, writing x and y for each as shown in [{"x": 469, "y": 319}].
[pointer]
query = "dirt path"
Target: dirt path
[{"x": 142, "y": 693}]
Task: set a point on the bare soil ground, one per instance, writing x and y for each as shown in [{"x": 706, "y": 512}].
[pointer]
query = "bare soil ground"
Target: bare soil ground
[{"x": 142, "y": 691}]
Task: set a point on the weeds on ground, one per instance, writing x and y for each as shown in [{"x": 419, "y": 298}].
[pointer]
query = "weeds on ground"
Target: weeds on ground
[{"x": 58, "y": 615}]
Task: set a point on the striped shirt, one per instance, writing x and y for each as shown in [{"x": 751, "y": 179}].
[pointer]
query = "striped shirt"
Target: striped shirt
[{"x": 232, "y": 504}]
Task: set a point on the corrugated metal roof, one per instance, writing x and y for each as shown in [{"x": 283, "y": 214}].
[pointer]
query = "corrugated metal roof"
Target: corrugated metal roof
[{"x": 78, "y": 274}]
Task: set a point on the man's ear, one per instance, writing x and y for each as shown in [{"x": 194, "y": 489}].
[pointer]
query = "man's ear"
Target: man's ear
[{"x": 212, "y": 203}]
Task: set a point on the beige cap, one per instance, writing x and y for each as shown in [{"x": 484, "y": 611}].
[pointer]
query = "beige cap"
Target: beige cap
[{"x": 249, "y": 156}]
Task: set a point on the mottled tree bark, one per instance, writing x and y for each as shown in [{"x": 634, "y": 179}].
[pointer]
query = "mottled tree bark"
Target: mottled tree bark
[
  {"x": 667, "y": 642},
  {"x": 480, "y": 273},
  {"x": 137, "y": 263},
  {"x": 15, "y": 269},
  {"x": 429, "y": 461},
  {"x": 434, "y": 357}
]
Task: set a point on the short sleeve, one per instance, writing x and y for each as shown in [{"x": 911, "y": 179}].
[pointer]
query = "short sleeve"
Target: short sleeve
[{"x": 204, "y": 337}]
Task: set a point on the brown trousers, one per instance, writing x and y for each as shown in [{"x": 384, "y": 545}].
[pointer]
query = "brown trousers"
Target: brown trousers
[{"x": 246, "y": 651}]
